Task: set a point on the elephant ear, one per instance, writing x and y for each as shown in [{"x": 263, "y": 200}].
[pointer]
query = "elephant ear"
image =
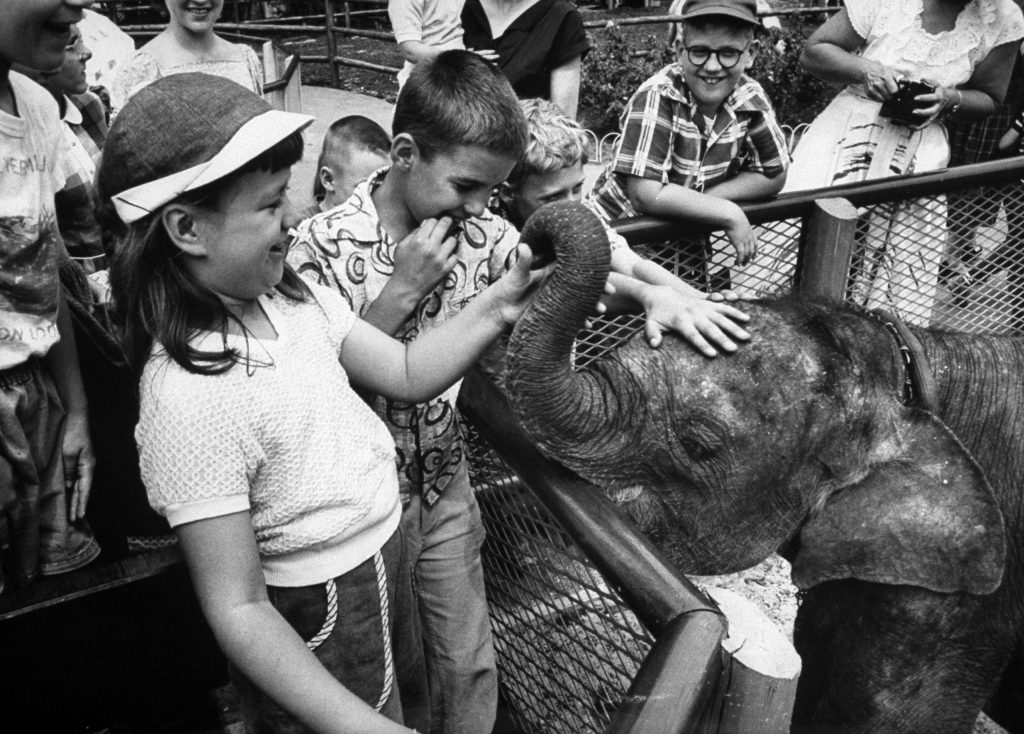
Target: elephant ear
[{"x": 927, "y": 518}]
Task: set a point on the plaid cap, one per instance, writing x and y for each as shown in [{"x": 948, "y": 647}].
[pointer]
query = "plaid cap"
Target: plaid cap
[
  {"x": 745, "y": 10},
  {"x": 182, "y": 132}
]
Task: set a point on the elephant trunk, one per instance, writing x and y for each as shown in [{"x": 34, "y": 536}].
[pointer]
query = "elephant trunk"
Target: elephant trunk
[{"x": 551, "y": 400}]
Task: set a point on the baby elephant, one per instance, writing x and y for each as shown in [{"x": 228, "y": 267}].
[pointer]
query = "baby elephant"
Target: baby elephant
[{"x": 901, "y": 511}]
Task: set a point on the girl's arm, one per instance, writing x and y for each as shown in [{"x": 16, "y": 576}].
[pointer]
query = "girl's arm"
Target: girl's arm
[
  {"x": 225, "y": 569},
  {"x": 422, "y": 369},
  {"x": 565, "y": 86}
]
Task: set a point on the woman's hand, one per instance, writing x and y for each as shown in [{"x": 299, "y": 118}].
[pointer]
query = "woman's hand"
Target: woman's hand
[
  {"x": 930, "y": 107},
  {"x": 487, "y": 53},
  {"x": 880, "y": 82}
]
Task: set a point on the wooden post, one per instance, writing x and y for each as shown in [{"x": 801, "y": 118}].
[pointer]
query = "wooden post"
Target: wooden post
[
  {"x": 827, "y": 249},
  {"x": 271, "y": 73},
  {"x": 760, "y": 677},
  {"x": 332, "y": 42}
]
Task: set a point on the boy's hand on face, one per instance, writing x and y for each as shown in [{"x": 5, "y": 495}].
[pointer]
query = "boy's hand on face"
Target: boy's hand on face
[
  {"x": 517, "y": 286},
  {"x": 426, "y": 255},
  {"x": 705, "y": 324}
]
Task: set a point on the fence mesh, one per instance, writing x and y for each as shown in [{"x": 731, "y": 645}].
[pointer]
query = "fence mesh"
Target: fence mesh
[
  {"x": 949, "y": 261},
  {"x": 567, "y": 645}
]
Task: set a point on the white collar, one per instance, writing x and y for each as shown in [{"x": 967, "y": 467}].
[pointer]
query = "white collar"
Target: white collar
[{"x": 72, "y": 115}]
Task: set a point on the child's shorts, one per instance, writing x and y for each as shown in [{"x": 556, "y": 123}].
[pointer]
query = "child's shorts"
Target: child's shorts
[
  {"x": 348, "y": 623},
  {"x": 35, "y": 533}
]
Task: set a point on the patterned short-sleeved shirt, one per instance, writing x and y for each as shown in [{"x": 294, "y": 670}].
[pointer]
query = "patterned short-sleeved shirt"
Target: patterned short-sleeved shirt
[
  {"x": 346, "y": 249},
  {"x": 664, "y": 138}
]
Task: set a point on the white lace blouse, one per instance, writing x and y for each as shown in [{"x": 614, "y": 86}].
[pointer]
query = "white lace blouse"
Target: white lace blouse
[
  {"x": 142, "y": 69},
  {"x": 895, "y": 37}
]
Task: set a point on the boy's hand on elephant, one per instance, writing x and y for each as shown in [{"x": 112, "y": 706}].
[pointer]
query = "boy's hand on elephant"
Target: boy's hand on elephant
[{"x": 705, "y": 324}]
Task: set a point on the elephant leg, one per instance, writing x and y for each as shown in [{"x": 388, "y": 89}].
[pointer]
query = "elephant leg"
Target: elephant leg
[
  {"x": 879, "y": 658},
  {"x": 1007, "y": 705}
]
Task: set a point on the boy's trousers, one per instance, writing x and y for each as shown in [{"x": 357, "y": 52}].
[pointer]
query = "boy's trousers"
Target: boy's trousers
[
  {"x": 36, "y": 536},
  {"x": 443, "y": 547}
]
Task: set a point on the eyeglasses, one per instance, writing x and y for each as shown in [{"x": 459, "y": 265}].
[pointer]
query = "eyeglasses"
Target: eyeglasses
[{"x": 727, "y": 57}]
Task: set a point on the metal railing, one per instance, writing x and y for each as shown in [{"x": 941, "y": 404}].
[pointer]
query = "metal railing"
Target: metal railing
[
  {"x": 589, "y": 620},
  {"x": 581, "y": 604}
]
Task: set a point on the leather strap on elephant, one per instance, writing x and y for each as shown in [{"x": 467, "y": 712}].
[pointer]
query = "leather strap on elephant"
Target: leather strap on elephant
[{"x": 918, "y": 383}]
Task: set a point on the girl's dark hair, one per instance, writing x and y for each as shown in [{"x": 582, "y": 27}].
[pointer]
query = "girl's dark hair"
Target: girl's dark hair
[{"x": 154, "y": 297}]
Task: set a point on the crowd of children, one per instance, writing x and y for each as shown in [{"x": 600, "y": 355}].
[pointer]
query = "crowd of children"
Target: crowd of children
[{"x": 298, "y": 368}]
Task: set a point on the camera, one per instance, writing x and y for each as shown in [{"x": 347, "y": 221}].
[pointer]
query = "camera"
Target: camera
[{"x": 900, "y": 107}]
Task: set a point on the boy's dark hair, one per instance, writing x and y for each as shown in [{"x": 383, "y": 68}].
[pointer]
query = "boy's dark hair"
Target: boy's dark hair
[
  {"x": 353, "y": 131},
  {"x": 460, "y": 99},
  {"x": 154, "y": 299}
]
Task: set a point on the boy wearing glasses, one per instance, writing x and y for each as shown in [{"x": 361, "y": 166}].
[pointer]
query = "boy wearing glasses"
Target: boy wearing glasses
[{"x": 700, "y": 135}]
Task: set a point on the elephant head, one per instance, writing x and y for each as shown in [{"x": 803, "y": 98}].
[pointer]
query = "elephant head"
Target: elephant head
[{"x": 799, "y": 438}]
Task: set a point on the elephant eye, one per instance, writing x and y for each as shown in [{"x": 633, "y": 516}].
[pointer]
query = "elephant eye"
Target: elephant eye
[{"x": 698, "y": 448}]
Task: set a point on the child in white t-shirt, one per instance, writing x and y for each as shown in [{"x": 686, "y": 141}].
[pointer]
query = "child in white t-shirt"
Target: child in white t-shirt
[{"x": 425, "y": 28}]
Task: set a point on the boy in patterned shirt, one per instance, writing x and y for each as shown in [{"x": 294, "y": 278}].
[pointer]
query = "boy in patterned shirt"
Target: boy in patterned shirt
[
  {"x": 408, "y": 250},
  {"x": 700, "y": 135}
]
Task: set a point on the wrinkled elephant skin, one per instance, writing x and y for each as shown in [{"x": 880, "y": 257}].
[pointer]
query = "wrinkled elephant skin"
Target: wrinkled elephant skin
[{"x": 904, "y": 526}]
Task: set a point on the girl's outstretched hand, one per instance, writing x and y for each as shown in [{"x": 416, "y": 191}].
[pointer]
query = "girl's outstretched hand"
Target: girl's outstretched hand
[{"x": 518, "y": 285}]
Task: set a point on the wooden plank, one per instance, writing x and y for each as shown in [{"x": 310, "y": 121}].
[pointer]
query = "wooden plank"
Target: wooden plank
[
  {"x": 49, "y": 591},
  {"x": 759, "y": 682},
  {"x": 827, "y": 249}
]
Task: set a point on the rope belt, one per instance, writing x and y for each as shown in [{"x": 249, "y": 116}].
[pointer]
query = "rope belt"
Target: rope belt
[{"x": 918, "y": 390}]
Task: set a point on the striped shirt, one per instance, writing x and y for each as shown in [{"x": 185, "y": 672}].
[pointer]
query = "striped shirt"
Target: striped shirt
[{"x": 664, "y": 138}]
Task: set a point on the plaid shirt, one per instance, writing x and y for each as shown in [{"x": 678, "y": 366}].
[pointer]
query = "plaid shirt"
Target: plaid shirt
[
  {"x": 664, "y": 139},
  {"x": 85, "y": 128},
  {"x": 87, "y": 117}
]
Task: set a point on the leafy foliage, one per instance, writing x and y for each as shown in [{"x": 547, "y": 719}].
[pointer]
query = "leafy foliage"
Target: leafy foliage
[
  {"x": 796, "y": 96},
  {"x": 612, "y": 71}
]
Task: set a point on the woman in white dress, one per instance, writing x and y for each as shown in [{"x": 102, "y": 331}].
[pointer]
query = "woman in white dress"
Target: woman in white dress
[
  {"x": 965, "y": 49},
  {"x": 188, "y": 44}
]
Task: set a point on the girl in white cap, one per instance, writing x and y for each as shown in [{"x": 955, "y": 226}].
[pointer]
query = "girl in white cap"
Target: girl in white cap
[{"x": 279, "y": 481}]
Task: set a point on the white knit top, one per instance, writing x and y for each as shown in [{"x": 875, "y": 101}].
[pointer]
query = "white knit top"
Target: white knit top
[{"x": 284, "y": 437}]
